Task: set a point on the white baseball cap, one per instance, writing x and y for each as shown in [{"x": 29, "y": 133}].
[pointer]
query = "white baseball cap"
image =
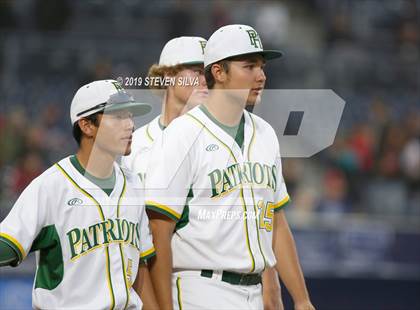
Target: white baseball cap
[
  {"x": 235, "y": 40},
  {"x": 106, "y": 96},
  {"x": 183, "y": 51}
]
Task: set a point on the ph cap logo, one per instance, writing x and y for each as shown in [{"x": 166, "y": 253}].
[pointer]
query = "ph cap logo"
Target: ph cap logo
[
  {"x": 203, "y": 45},
  {"x": 75, "y": 202},
  {"x": 118, "y": 86},
  {"x": 254, "y": 38}
]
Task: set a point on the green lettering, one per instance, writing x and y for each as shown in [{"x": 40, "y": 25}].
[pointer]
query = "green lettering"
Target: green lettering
[
  {"x": 125, "y": 228},
  {"x": 119, "y": 229},
  {"x": 274, "y": 171},
  {"x": 85, "y": 241},
  {"x": 246, "y": 173},
  {"x": 258, "y": 174},
  {"x": 233, "y": 170},
  {"x": 74, "y": 238},
  {"x": 131, "y": 235},
  {"x": 226, "y": 184},
  {"x": 108, "y": 233},
  {"x": 137, "y": 245},
  {"x": 93, "y": 230},
  {"x": 215, "y": 178}
]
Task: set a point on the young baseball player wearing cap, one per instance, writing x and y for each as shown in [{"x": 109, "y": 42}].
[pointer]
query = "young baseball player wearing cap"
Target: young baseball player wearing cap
[
  {"x": 85, "y": 216},
  {"x": 181, "y": 58},
  {"x": 217, "y": 174}
]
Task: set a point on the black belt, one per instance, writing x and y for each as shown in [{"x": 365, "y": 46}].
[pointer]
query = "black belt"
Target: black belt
[{"x": 235, "y": 278}]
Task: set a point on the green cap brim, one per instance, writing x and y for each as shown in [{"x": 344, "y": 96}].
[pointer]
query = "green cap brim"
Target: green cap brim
[
  {"x": 271, "y": 54},
  {"x": 267, "y": 54},
  {"x": 192, "y": 63},
  {"x": 136, "y": 108}
]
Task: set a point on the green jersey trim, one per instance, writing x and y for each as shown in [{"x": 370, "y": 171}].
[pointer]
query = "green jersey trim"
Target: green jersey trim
[
  {"x": 50, "y": 271},
  {"x": 147, "y": 254},
  {"x": 108, "y": 271},
  {"x": 281, "y": 204},
  {"x": 184, "y": 220},
  {"x": 162, "y": 209},
  {"x": 8, "y": 255},
  {"x": 236, "y": 132},
  {"x": 241, "y": 191},
  {"x": 15, "y": 245},
  {"x": 161, "y": 126},
  {"x": 148, "y": 133},
  {"x": 106, "y": 184}
]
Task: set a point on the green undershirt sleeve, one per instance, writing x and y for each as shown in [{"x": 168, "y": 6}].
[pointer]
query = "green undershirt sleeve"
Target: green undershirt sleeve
[{"x": 8, "y": 257}]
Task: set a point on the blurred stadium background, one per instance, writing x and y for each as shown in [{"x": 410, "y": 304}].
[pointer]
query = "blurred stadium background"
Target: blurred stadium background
[{"x": 356, "y": 205}]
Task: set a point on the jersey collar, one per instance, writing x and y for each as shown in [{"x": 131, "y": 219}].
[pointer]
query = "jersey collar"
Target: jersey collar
[
  {"x": 222, "y": 135},
  {"x": 154, "y": 129}
]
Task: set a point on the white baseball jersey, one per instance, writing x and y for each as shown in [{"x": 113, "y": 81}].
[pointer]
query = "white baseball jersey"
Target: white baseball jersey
[
  {"x": 143, "y": 139},
  {"x": 222, "y": 197},
  {"x": 88, "y": 243}
]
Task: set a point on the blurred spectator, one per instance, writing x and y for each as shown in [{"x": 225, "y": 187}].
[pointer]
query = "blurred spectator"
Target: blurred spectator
[
  {"x": 362, "y": 145},
  {"x": 55, "y": 136},
  {"x": 410, "y": 162},
  {"x": 12, "y": 136},
  {"x": 334, "y": 203},
  {"x": 378, "y": 117},
  {"x": 392, "y": 142},
  {"x": 26, "y": 169},
  {"x": 343, "y": 156},
  {"x": 292, "y": 172}
]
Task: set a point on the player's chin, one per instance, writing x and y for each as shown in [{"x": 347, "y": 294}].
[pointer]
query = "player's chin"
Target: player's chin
[
  {"x": 252, "y": 100},
  {"x": 127, "y": 151},
  {"x": 124, "y": 148}
]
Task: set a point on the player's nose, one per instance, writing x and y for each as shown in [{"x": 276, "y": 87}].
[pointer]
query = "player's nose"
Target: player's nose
[
  {"x": 261, "y": 75},
  {"x": 129, "y": 123}
]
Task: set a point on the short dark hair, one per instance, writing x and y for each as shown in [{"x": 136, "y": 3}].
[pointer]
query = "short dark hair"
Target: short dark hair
[
  {"x": 209, "y": 76},
  {"x": 77, "y": 132}
]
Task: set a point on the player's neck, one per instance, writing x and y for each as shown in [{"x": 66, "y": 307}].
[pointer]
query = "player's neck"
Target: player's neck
[
  {"x": 96, "y": 162},
  {"x": 171, "y": 110},
  {"x": 226, "y": 110}
]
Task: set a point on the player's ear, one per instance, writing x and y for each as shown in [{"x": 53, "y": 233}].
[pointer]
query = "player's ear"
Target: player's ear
[
  {"x": 218, "y": 73},
  {"x": 87, "y": 127}
]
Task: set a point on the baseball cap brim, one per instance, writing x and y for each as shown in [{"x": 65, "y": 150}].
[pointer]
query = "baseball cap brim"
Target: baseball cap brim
[
  {"x": 191, "y": 63},
  {"x": 136, "y": 108},
  {"x": 271, "y": 54},
  {"x": 267, "y": 54}
]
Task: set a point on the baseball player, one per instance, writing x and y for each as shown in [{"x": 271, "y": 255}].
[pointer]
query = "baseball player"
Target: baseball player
[
  {"x": 85, "y": 216},
  {"x": 215, "y": 178},
  {"x": 182, "y": 57}
]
